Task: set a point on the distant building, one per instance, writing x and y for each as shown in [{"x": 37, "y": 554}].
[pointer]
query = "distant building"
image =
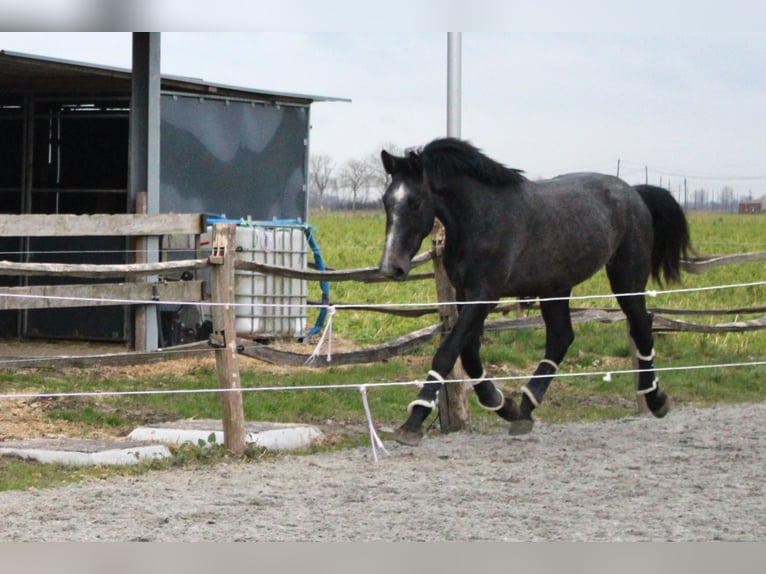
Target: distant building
[{"x": 750, "y": 207}]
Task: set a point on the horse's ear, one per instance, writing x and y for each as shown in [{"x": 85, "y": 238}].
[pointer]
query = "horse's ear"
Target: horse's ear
[{"x": 388, "y": 161}]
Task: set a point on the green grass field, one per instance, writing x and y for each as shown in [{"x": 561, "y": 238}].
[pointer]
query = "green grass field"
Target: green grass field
[{"x": 353, "y": 241}]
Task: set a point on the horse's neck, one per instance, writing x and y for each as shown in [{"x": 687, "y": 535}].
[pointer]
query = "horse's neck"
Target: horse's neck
[
  {"x": 453, "y": 221},
  {"x": 445, "y": 215}
]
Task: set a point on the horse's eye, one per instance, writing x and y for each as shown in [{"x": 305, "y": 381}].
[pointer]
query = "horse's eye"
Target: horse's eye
[{"x": 414, "y": 203}]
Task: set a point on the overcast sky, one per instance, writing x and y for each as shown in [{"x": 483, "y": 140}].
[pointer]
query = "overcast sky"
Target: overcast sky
[{"x": 547, "y": 87}]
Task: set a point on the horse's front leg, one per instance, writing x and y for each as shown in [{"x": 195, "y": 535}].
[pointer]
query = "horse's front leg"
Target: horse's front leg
[
  {"x": 468, "y": 325},
  {"x": 559, "y": 335}
]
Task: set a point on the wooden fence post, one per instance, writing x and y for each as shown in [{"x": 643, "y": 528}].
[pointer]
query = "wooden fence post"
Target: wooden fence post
[
  {"x": 454, "y": 414},
  {"x": 225, "y": 335}
]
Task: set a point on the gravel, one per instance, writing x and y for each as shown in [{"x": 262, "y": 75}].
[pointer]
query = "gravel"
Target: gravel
[{"x": 696, "y": 475}]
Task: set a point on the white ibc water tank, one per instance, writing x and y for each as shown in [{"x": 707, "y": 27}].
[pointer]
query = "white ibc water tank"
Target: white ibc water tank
[{"x": 268, "y": 305}]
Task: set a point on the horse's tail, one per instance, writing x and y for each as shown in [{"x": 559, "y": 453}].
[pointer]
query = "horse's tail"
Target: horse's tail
[{"x": 671, "y": 232}]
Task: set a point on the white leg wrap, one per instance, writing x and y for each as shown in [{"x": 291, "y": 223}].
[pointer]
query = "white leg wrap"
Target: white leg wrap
[
  {"x": 655, "y": 385},
  {"x": 436, "y": 376},
  {"x": 530, "y": 396},
  {"x": 551, "y": 363},
  {"x": 422, "y": 403},
  {"x": 498, "y": 407},
  {"x": 500, "y": 394},
  {"x": 650, "y": 357}
]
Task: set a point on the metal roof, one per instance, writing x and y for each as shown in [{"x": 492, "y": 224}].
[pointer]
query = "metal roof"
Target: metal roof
[{"x": 25, "y": 72}]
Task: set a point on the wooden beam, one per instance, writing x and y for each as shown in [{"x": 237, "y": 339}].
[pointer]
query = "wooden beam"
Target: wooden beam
[
  {"x": 101, "y": 224},
  {"x": 702, "y": 264},
  {"x": 378, "y": 353},
  {"x": 97, "y": 294},
  {"x": 130, "y": 358},
  {"x": 95, "y": 270},
  {"x": 364, "y": 274}
]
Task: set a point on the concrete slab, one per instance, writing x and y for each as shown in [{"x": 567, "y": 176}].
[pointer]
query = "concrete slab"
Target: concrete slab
[
  {"x": 83, "y": 452},
  {"x": 271, "y": 436},
  {"x": 146, "y": 442}
]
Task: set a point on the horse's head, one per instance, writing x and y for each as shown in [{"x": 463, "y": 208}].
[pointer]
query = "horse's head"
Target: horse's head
[{"x": 409, "y": 212}]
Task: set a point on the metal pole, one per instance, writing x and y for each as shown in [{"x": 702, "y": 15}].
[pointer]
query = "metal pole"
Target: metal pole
[
  {"x": 454, "y": 54},
  {"x": 144, "y": 168},
  {"x": 454, "y": 414}
]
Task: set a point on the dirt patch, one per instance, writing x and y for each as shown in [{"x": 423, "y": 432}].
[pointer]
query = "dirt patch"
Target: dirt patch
[{"x": 23, "y": 419}]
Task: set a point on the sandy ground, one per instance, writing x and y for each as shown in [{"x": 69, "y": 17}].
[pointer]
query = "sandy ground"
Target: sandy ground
[{"x": 696, "y": 475}]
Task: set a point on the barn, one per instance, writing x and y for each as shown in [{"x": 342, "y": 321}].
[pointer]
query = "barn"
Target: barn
[
  {"x": 750, "y": 207},
  {"x": 65, "y": 140}
]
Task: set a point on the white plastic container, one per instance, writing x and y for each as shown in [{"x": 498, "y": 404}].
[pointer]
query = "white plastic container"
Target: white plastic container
[{"x": 268, "y": 305}]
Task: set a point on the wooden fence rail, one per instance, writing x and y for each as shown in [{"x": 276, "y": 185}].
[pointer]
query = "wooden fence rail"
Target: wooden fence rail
[
  {"x": 101, "y": 224},
  {"x": 99, "y": 271}
]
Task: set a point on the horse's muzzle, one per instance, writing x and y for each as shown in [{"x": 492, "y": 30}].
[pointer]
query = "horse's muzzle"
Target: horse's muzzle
[{"x": 395, "y": 271}]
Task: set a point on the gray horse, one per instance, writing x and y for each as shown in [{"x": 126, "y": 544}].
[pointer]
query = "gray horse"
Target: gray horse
[{"x": 507, "y": 236}]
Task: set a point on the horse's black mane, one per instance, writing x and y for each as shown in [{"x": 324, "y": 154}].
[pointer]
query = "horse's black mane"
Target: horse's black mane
[{"x": 446, "y": 158}]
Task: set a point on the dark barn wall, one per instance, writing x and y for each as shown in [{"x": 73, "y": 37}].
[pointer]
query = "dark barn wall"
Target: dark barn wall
[
  {"x": 234, "y": 158},
  {"x": 11, "y": 170}
]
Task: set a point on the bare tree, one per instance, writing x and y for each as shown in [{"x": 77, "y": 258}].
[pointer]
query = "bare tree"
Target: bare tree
[
  {"x": 728, "y": 202},
  {"x": 321, "y": 168},
  {"x": 356, "y": 177}
]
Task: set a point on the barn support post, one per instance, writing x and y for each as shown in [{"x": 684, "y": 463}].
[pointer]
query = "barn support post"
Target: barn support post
[
  {"x": 225, "y": 336},
  {"x": 144, "y": 156}
]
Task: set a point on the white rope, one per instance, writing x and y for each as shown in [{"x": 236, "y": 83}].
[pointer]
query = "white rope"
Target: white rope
[
  {"x": 117, "y": 301},
  {"x": 375, "y": 441},
  {"x": 327, "y": 331},
  {"x": 17, "y": 396}
]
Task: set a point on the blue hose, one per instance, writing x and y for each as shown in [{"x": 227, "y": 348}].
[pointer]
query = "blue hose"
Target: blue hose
[{"x": 324, "y": 285}]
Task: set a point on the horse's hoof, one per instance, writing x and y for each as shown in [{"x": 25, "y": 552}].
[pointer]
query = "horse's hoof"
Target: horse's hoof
[
  {"x": 663, "y": 406},
  {"x": 407, "y": 436},
  {"x": 521, "y": 426},
  {"x": 509, "y": 410}
]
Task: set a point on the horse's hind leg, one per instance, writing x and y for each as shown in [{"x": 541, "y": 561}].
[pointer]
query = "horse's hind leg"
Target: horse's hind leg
[
  {"x": 640, "y": 322},
  {"x": 487, "y": 394},
  {"x": 640, "y": 325},
  {"x": 559, "y": 335}
]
